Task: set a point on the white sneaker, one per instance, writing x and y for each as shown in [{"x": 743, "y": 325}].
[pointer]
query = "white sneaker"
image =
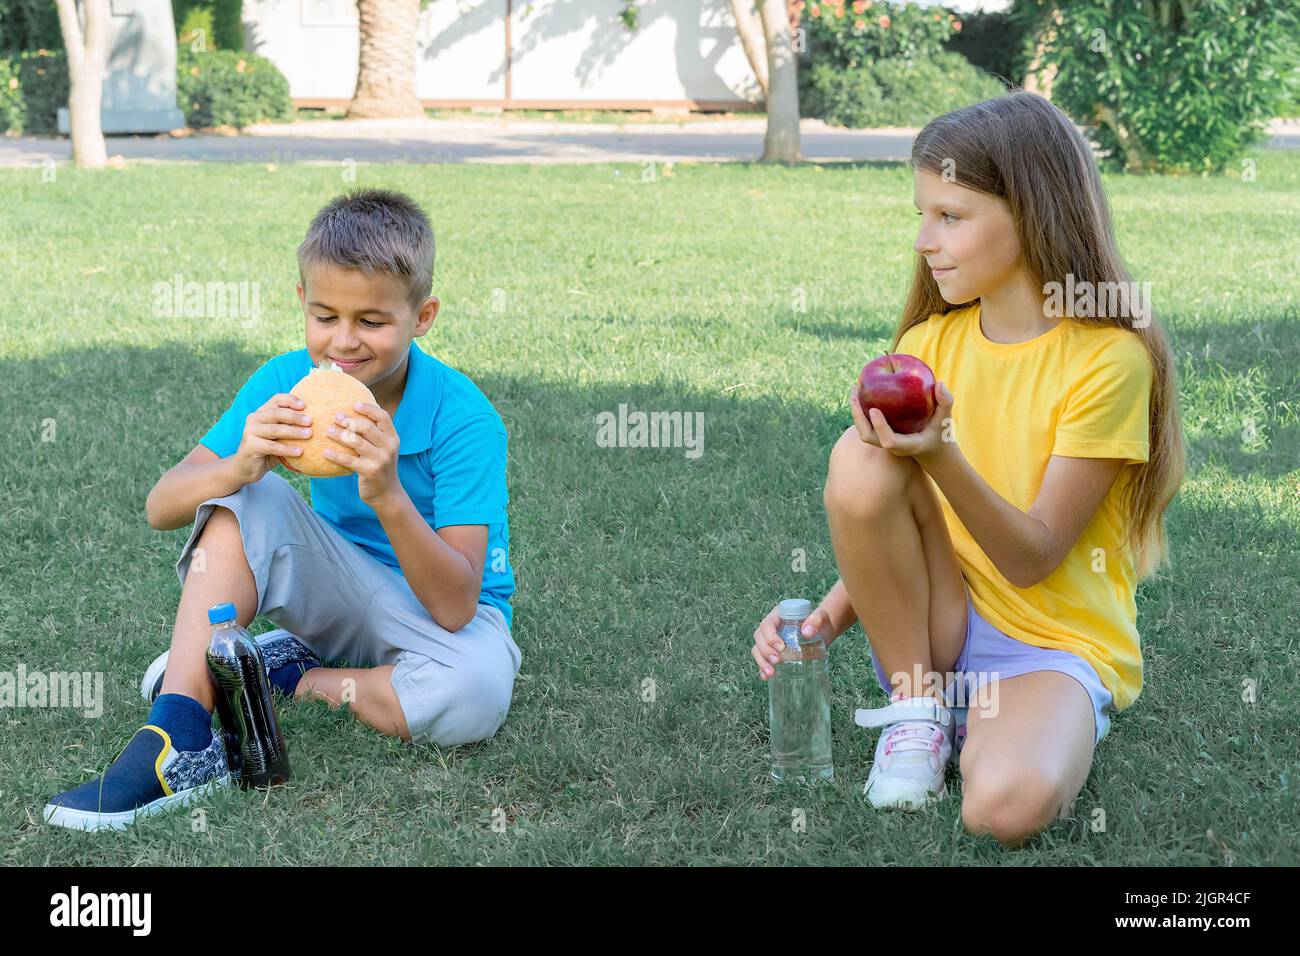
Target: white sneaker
[{"x": 912, "y": 754}]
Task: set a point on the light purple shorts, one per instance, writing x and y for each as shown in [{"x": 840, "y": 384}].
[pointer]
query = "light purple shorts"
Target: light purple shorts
[{"x": 989, "y": 655}]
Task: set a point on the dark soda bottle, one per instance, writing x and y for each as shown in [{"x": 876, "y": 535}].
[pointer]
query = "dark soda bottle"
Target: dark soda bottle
[{"x": 254, "y": 744}]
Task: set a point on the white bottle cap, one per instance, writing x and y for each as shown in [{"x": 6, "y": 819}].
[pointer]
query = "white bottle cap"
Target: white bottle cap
[{"x": 795, "y": 609}]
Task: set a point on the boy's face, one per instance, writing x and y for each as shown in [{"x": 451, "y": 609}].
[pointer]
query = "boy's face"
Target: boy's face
[
  {"x": 351, "y": 316},
  {"x": 970, "y": 232}
]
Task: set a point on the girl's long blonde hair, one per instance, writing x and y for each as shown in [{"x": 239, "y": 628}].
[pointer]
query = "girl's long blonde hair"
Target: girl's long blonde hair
[{"x": 1025, "y": 151}]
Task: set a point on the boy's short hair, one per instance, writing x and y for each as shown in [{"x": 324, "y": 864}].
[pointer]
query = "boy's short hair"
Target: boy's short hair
[{"x": 373, "y": 230}]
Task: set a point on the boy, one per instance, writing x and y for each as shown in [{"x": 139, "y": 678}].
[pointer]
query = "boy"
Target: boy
[{"x": 400, "y": 564}]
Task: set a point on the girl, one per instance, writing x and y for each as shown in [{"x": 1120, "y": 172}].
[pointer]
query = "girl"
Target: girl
[{"x": 992, "y": 558}]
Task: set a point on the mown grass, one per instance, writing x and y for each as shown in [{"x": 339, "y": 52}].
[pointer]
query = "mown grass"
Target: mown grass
[{"x": 567, "y": 291}]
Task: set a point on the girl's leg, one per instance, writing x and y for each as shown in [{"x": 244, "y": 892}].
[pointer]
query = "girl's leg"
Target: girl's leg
[
  {"x": 368, "y": 692},
  {"x": 1026, "y": 759},
  {"x": 897, "y": 563}
]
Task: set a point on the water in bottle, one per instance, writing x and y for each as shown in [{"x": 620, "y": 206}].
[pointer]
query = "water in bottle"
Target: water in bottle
[
  {"x": 254, "y": 744},
  {"x": 799, "y": 701}
]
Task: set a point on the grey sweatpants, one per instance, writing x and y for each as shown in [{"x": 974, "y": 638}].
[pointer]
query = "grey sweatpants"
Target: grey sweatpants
[{"x": 349, "y": 608}]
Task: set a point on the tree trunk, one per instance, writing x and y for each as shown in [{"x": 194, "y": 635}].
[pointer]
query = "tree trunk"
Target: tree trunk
[
  {"x": 781, "y": 144},
  {"x": 750, "y": 32},
  {"x": 386, "y": 64},
  {"x": 87, "y": 57},
  {"x": 1136, "y": 158}
]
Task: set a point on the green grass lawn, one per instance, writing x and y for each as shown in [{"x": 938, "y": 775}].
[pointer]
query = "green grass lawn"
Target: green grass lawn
[{"x": 567, "y": 291}]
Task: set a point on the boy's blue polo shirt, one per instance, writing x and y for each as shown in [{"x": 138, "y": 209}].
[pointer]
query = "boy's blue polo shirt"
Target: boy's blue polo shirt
[{"x": 451, "y": 461}]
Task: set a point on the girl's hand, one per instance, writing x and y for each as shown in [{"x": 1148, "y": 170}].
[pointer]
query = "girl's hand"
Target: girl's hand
[
  {"x": 768, "y": 644},
  {"x": 926, "y": 444},
  {"x": 374, "y": 443}
]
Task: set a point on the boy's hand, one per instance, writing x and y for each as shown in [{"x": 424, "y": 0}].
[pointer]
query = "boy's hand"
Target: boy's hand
[
  {"x": 374, "y": 442},
  {"x": 924, "y": 445},
  {"x": 280, "y": 417}
]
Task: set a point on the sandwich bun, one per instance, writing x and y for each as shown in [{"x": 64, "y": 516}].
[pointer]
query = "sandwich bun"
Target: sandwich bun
[{"x": 325, "y": 392}]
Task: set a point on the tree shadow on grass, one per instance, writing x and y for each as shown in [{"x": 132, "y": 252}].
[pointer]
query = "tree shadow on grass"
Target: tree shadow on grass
[
  {"x": 1245, "y": 378},
  {"x": 1271, "y": 339}
]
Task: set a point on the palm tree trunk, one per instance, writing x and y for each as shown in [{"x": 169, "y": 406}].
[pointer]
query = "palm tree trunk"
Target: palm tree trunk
[
  {"x": 386, "y": 65},
  {"x": 87, "y": 57}
]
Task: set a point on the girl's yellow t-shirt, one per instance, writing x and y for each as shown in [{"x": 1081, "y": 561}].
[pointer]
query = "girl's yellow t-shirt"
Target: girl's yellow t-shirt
[{"x": 1077, "y": 391}]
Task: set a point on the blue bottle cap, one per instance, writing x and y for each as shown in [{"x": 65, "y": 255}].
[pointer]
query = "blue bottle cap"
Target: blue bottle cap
[
  {"x": 795, "y": 609},
  {"x": 222, "y": 612}
]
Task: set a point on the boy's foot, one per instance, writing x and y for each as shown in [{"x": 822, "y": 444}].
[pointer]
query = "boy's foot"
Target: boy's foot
[
  {"x": 148, "y": 776},
  {"x": 912, "y": 754},
  {"x": 280, "y": 649}
]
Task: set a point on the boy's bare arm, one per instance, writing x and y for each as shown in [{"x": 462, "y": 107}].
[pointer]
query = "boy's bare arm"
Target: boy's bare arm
[
  {"x": 203, "y": 475},
  {"x": 172, "y": 502},
  {"x": 444, "y": 568}
]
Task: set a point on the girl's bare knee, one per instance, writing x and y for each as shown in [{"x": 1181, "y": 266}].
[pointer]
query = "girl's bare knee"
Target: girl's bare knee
[
  {"x": 863, "y": 480},
  {"x": 1012, "y": 811}
]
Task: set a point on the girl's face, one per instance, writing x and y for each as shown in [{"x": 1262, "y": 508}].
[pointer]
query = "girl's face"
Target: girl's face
[{"x": 967, "y": 237}]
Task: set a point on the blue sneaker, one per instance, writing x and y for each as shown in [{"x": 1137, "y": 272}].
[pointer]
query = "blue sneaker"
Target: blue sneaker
[
  {"x": 147, "y": 777},
  {"x": 279, "y": 647}
]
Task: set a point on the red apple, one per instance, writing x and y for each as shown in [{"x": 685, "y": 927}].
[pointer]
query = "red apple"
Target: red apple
[{"x": 902, "y": 387}]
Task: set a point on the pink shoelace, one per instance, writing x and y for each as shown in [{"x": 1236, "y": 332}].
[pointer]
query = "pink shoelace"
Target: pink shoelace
[{"x": 914, "y": 735}]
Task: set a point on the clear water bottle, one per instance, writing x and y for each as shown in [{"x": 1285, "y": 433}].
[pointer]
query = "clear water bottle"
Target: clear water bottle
[
  {"x": 799, "y": 701},
  {"x": 254, "y": 744}
]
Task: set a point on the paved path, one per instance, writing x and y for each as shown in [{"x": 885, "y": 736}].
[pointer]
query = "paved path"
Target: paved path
[{"x": 493, "y": 140}]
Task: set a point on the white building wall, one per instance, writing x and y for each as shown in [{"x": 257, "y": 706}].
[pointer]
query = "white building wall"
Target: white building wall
[
  {"x": 312, "y": 42},
  {"x": 461, "y": 50},
  {"x": 561, "y": 50},
  {"x": 681, "y": 50}
]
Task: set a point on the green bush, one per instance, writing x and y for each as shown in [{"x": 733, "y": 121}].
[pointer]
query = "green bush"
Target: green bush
[
  {"x": 895, "y": 92},
  {"x": 35, "y": 87},
  {"x": 1290, "y": 107},
  {"x": 29, "y": 25},
  {"x": 852, "y": 33},
  {"x": 216, "y": 88},
  {"x": 196, "y": 18},
  {"x": 884, "y": 64},
  {"x": 841, "y": 97},
  {"x": 226, "y": 25},
  {"x": 916, "y": 92},
  {"x": 34, "y": 24},
  {"x": 218, "y": 19},
  {"x": 1175, "y": 87},
  {"x": 230, "y": 88},
  {"x": 12, "y": 106},
  {"x": 991, "y": 41}
]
